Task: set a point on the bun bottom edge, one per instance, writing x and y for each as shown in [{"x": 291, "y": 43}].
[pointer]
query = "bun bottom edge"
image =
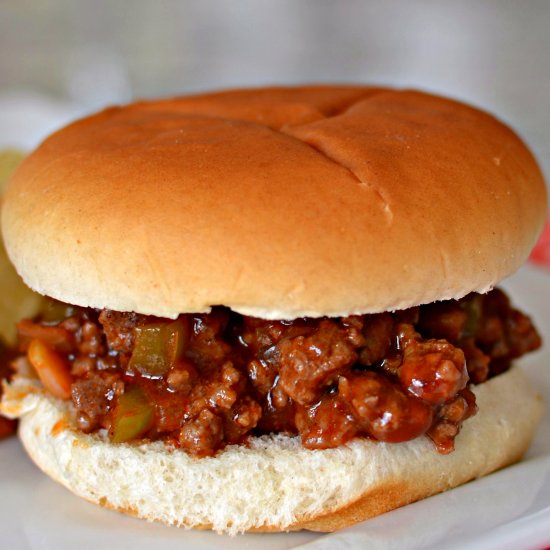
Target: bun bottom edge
[{"x": 273, "y": 484}]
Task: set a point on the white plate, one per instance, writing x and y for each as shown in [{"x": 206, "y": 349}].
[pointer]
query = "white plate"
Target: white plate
[{"x": 507, "y": 510}]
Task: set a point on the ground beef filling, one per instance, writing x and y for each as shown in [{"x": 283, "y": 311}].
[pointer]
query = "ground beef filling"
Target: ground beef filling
[{"x": 202, "y": 382}]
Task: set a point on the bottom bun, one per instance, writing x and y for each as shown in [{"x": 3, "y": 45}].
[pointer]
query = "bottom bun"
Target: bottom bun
[{"x": 273, "y": 484}]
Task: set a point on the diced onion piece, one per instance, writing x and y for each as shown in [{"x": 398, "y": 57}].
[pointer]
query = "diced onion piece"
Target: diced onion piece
[
  {"x": 158, "y": 346},
  {"x": 132, "y": 416},
  {"x": 52, "y": 369}
]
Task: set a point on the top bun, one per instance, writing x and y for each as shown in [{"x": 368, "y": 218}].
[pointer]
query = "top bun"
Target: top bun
[{"x": 278, "y": 203}]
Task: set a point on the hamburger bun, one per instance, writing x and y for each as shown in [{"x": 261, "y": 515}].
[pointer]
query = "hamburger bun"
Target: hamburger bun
[{"x": 277, "y": 203}]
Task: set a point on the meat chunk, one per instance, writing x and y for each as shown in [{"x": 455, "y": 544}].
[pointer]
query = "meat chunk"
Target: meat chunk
[
  {"x": 241, "y": 419},
  {"x": 433, "y": 370},
  {"x": 92, "y": 397},
  {"x": 203, "y": 434},
  {"x": 449, "y": 420},
  {"x": 477, "y": 362},
  {"x": 382, "y": 409},
  {"x": 443, "y": 320},
  {"x": 207, "y": 346},
  {"x": 378, "y": 334},
  {"x": 119, "y": 329},
  {"x": 328, "y": 424},
  {"x": 307, "y": 364}
]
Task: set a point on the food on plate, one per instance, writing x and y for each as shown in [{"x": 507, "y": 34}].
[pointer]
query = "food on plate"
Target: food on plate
[{"x": 274, "y": 309}]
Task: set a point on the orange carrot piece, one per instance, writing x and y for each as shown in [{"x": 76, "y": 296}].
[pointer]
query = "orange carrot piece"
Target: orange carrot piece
[{"x": 52, "y": 369}]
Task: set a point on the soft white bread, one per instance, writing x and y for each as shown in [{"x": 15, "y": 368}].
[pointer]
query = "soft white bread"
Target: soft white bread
[
  {"x": 274, "y": 483},
  {"x": 276, "y": 203}
]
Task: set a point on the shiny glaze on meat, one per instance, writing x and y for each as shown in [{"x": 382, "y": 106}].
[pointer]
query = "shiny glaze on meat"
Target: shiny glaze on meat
[{"x": 390, "y": 376}]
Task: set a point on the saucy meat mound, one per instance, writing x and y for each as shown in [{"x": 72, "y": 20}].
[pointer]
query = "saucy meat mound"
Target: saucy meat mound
[{"x": 204, "y": 381}]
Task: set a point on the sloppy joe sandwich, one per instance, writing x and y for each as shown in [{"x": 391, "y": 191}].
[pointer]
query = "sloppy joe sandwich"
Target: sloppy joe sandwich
[{"x": 274, "y": 309}]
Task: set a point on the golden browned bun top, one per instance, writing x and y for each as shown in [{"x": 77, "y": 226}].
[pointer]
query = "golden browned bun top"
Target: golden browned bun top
[{"x": 279, "y": 203}]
